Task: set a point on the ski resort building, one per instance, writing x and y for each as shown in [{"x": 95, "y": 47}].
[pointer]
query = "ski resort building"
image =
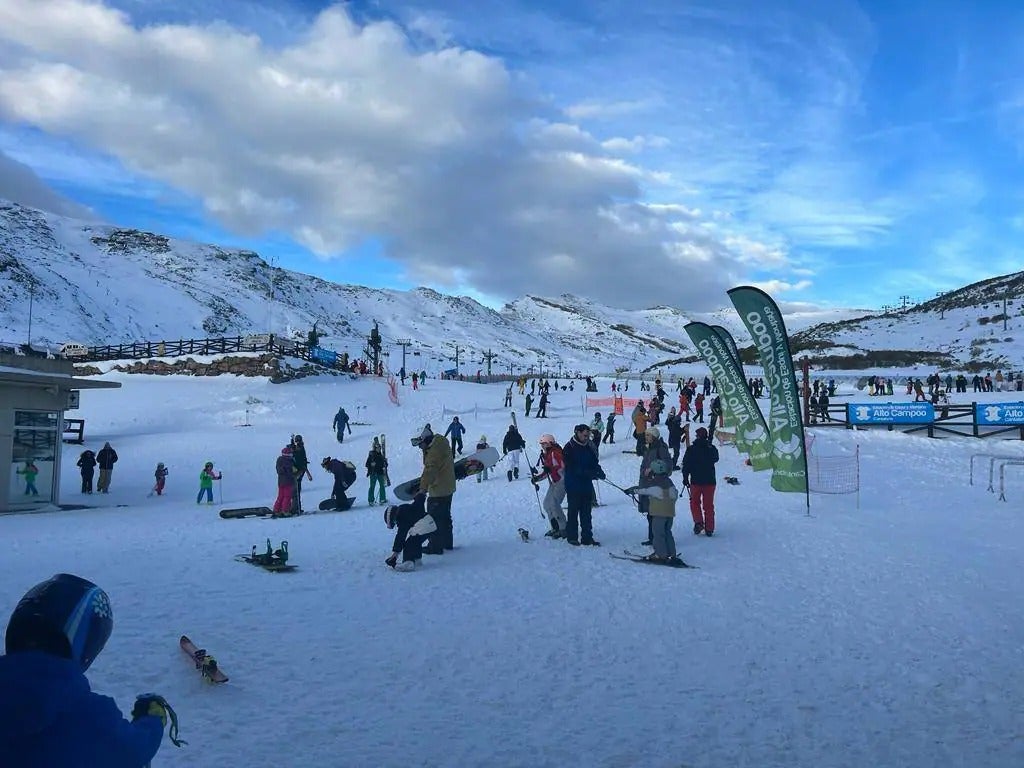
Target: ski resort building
[{"x": 34, "y": 394}]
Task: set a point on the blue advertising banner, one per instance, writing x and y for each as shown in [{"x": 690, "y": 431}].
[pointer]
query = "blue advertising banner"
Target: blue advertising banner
[
  {"x": 999, "y": 414},
  {"x": 890, "y": 413},
  {"x": 325, "y": 356}
]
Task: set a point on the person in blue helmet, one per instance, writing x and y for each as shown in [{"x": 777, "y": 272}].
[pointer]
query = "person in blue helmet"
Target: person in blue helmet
[{"x": 49, "y": 716}]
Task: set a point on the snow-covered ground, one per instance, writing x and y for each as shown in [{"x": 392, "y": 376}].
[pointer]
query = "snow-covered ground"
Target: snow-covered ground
[{"x": 885, "y": 635}]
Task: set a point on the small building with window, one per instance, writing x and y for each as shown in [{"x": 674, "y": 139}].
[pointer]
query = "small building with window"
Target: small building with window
[{"x": 34, "y": 394}]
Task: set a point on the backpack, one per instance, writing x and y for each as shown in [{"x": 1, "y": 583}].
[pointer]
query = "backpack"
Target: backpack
[{"x": 348, "y": 474}]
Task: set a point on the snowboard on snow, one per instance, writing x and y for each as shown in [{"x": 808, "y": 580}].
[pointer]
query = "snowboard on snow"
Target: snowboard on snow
[
  {"x": 333, "y": 505},
  {"x": 205, "y": 663},
  {"x": 627, "y": 555},
  {"x": 471, "y": 465},
  {"x": 231, "y": 514}
]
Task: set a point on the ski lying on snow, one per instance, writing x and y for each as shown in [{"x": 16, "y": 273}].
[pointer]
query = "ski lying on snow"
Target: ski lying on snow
[
  {"x": 627, "y": 555},
  {"x": 204, "y": 662}
]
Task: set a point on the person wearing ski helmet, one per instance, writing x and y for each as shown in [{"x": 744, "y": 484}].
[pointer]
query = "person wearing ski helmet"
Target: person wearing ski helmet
[
  {"x": 660, "y": 495},
  {"x": 48, "y": 714},
  {"x": 699, "y": 476},
  {"x": 438, "y": 482},
  {"x": 414, "y": 525},
  {"x": 206, "y": 478},
  {"x": 285, "y": 469},
  {"x": 552, "y": 466}
]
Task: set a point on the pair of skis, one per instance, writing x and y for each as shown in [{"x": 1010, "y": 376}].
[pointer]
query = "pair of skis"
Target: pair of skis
[{"x": 633, "y": 557}]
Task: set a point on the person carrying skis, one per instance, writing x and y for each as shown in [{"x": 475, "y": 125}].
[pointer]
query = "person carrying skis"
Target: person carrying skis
[
  {"x": 512, "y": 446},
  {"x": 581, "y": 469},
  {"x": 376, "y": 470},
  {"x": 285, "y": 468},
  {"x": 206, "y": 478},
  {"x": 344, "y": 473},
  {"x": 699, "y": 476},
  {"x": 414, "y": 525},
  {"x": 609, "y": 434},
  {"x": 553, "y": 468},
  {"x": 437, "y": 480},
  {"x": 87, "y": 462},
  {"x": 49, "y": 716},
  {"x": 340, "y": 424},
  {"x": 301, "y": 462},
  {"x": 30, "y": 471},
  {"x": 106, "y": 459},
  {"x": 160, "y": 476},
  {"x": 456, "y": 429}
]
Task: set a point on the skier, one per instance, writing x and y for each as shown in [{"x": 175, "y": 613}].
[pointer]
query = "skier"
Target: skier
[
  {"x": 508, "y": 397},
  {"x": 542, "y": 406},
  {"x": 106, "y": 459},
  {"x": 596, "y": 430},
  {"x": 654, "y": 449},
  {"x": 160, "y": 477},
  {"x": 553, "y": 468},
  {"x": 529, "y": 401},
  {"x": 344, "y": 473},
  {"x": 87, "y": 461},
  {"x": 48, "y": 714},
  {"x": 715, "y": 418},
  {"x": 609, "y": 434},
  {"x": 414, "y": 525},
  {"x": 30, "y": 471},
  {"x": 674, "y": 425},
  {"x": 301, "y": 462},
  {"x": 481, "y": 445},
  {"x": 699, "y": 476},
  {"x": 206, "y": 478},
  {"x": 661, "y": 495},
  {"x": 437, "y": 480},
  {"x": 341, "y": 423},
  {"x": 581, "y": 469},
  {"x": 376, "y": 471},
  {"x": 285, "y": 468},
  {"x": 512, "y": 446},
  {"x": 456, "y": 429}
]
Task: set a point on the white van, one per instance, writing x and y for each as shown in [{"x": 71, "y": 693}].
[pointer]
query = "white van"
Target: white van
[{"x": 72, "y": 349}]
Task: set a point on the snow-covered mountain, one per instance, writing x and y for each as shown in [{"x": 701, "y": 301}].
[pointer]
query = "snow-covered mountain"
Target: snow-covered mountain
[{"x": 101, "y": 285}]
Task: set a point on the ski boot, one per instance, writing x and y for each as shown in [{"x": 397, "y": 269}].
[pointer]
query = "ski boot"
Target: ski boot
[{"x": 509, "y": 474}]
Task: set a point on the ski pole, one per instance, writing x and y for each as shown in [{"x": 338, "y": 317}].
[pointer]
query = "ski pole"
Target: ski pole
[
  {"x": 220, "y": 488},
  {"x": 536, "y": 488}
]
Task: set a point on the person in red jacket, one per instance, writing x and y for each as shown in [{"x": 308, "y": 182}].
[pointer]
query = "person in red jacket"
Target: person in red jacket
[{"x": 553, "y": 468}]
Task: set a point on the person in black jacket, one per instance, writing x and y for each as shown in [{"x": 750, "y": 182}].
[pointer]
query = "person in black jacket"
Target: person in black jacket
[
  {"x": 301, "y": 462},
  {"x": 377, "y": 471},
  {"x": 344, "y": 476},
  {"x": 699, "y": 476},
  {"x": 414, "y": 525},
  {"x": 106, "y": 459},
  {"x": 581, "y": 469},
  {"x": 674, "y": 424},
  {"x": 512, "y": 446},
  {"x": 87, "y": 461}
]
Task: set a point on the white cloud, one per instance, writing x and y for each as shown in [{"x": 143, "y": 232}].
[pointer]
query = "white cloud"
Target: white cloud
[
  {"x": 20, "y": 184},
  {"x": 593, "y": 109},
  {"x": 351, "y": 131}
]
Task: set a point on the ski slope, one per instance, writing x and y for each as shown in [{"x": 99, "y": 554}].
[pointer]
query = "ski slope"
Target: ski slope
[{"x": 889, "y": 634}]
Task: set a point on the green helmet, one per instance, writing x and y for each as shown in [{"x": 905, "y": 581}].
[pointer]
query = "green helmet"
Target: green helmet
[{"x": 659, "y": 467}]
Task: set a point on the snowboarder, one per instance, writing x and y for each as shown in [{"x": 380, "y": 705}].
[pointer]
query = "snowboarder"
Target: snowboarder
[
  {"x": 285, "y": 468},
  {"x": 106, "y": 459},
  {"x": 30, "y": 471},
  {"x": 52, "y": 718},
  {"x": 481, "y": 445},
  {"x": 512, "y": 446},
  {"x": 160, "y": 478},
  {"x": 699, "y": 476},
  {"x": 301, "y": 462},
  {"x": 341, "y": 423},
  {"x": 456, "y": 429},
  {"x": 414, "y": 525},
  {"x": 581, "y": 469},
  {"x": 87, "y": 462},
  {"x": 206, "y": 478},
  {"x": 437, "y": 480},
  {"x": 609, "y": 434},
  {"x": 553, "y": 468},
  {"x": 376, "y": 471},
  {"x": 344, "y": 473}
]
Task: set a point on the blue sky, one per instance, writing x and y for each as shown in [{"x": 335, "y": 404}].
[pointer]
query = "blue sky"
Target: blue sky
[{"x": 838, "y": 154}]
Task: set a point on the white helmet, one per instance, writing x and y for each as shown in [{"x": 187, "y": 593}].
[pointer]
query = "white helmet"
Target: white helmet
[{"x": 547, "y": 439}]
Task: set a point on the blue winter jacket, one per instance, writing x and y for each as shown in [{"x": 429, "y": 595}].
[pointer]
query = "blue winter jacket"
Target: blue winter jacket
[
  {"x": 49, "y": 718},
  {"x": 581, "y": 467}
]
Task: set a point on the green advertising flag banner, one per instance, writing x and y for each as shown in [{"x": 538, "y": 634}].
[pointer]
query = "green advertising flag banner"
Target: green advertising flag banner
[
  {"x": 752, "y": 436},
  {"x": 729, "y": 342},
  {"x": 764, "y": 322}
]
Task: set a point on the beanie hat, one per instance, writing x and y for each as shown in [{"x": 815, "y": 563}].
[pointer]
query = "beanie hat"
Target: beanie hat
[
  {"x": 654, "y": 432},
  {"x": 702, "y": 433},
  {"x": 286, "y": 451}
]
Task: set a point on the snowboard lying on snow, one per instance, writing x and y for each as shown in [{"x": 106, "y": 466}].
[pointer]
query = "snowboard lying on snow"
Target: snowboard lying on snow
[
  {"x": 229, "y": 514},
  {"x": 471, "y": 465}
]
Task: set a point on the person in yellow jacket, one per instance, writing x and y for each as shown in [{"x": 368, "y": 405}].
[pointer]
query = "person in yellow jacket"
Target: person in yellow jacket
[{"x": 438, "y": 483}]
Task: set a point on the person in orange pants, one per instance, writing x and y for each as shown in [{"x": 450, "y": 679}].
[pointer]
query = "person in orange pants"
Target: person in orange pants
[{"x": 699, "y": 477}]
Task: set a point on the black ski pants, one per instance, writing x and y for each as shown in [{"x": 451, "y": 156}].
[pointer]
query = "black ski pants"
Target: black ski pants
[
  {"x": 440, "y": 508},
  {"x": 609, "y": 436},
  {"x": 578, "y": 511},
  {"x": 456, "y": 444}
]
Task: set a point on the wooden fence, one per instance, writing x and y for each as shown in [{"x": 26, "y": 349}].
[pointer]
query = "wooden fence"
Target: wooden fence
[{"x": 955, "y": 420}]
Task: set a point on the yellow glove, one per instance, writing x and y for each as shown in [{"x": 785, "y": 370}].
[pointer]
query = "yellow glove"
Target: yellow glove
[{"x": 150, "y": 705}]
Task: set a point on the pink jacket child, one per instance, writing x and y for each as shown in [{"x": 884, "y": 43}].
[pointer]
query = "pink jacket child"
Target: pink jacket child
[{"x": 285, "y": 482}]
